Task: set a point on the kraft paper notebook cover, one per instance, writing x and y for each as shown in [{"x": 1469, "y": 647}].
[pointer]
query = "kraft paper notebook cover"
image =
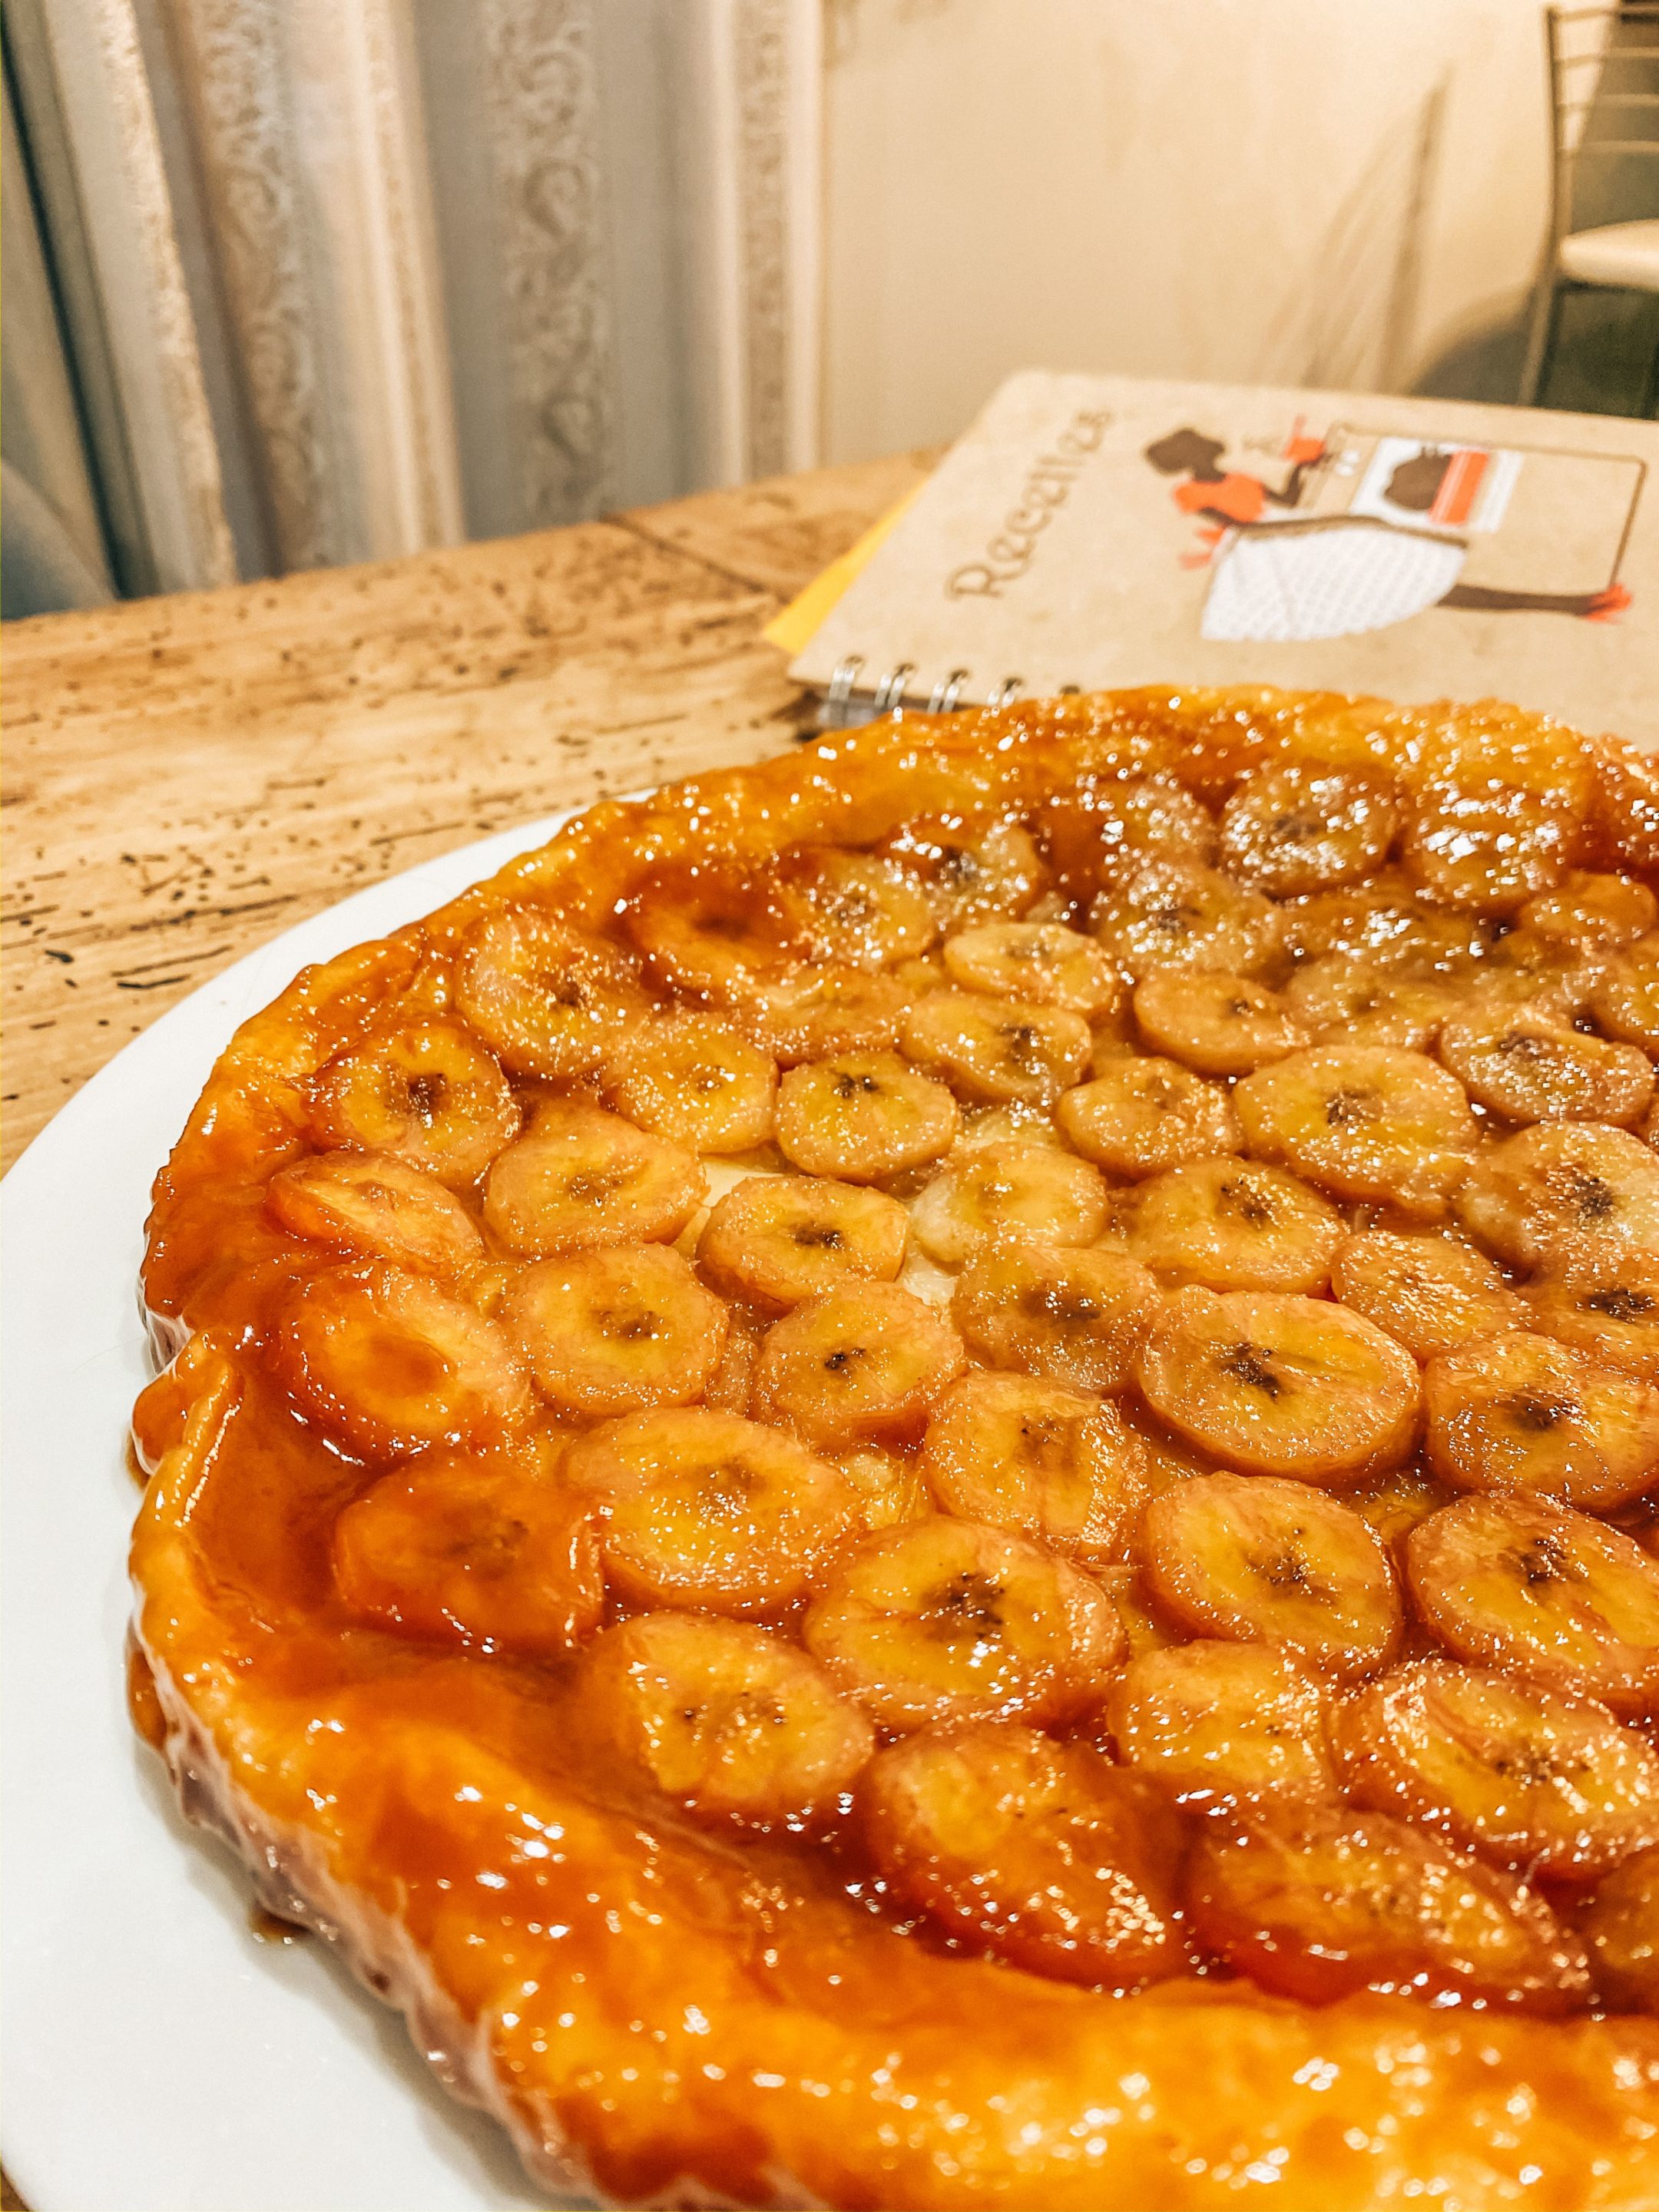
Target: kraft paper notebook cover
[{"x": 1096, "y": 531}]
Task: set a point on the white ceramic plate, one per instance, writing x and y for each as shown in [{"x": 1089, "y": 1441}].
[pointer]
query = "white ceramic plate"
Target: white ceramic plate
[{"x": 157, "y": 2057}]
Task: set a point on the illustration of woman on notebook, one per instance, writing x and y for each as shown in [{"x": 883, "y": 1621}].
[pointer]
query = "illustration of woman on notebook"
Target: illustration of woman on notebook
[
  {"x": 1228, "y": 498},
  {"x": 1298, "y": 577}
]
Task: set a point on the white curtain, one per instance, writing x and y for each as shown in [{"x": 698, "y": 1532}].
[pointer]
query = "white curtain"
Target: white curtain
[
  {"x": 52, "y": 536},
  {"x": 348, "y": 278}
]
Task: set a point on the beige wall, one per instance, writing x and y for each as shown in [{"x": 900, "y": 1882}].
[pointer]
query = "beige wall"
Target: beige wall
[{"x": 1326, "y": 191}]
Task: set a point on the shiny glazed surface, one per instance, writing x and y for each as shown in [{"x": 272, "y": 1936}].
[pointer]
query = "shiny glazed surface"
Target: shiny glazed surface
[{"x": 828, "y": 1497}]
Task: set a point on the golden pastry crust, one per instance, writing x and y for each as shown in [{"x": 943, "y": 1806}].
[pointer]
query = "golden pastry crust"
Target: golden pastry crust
[{"x": 681, "y": 2003}]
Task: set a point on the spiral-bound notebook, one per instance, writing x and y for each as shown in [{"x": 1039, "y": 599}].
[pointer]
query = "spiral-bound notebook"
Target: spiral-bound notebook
[{"x": 1096, "y": 531}]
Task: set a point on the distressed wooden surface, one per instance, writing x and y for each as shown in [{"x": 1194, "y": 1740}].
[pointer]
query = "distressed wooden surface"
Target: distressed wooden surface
[{"x": 185, "y": 777}]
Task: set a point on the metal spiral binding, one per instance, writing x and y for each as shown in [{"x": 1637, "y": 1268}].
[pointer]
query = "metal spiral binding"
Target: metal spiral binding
[
  {"x": 840, "y": 684},
  {"x": 842, "y": 705},
  {"x": 889, "y": 692},
  {"x": 943, "y": 698}
]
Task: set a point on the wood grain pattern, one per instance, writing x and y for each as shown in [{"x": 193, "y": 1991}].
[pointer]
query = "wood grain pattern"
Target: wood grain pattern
[{"x": 185, "y": 777}]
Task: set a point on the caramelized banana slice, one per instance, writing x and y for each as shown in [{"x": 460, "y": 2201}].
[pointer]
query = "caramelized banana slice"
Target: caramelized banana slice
[
  {"x": 1073, "y": 1318},
  {"x": 949, "y": 1620},
  {"x": 1524, "y": 1196},
  {"x": 851, "y": 906},
  {"x": 726, "y": 1719},
  {"x": 1254, "y": 1560},
  {"x": 1140, "y": 1116},
  {"x": 582, "y": 1178},
  {"x": 379, "y": 1206},
  {"x": 1498, "y": 812},
  {"x": 690, "y": 1078},
  {"x": 1386, "y": 924},
  {"x": 430, "y": 1096},
  {"x": 1101, "y": 832},
  {"x": 1040, "y": 962},
  {"x": 1625, "y": 1002},
  {"x": 1525, "y": 1414},
  {"x": 490, "y": 1553},
  {"x": 713, "y": 933},
  {"x": 859, "y": 1365},
  {"x": 1316, "y": 1903},
  {"x": 549, "y": 999},
  {"x": 1363, "y": 1005},
  {"x": 1217, "y": 1025},
  {"x": 1553, "y": 976},
  {"x": 1542, "y": 1592},
  {"x": 1172, "y": 913},
  {"x": 722, "y": 936},
  {"x": 1222, "y": 1725},
  {"x": 1010, "y": 1124},
  {"x": 1363, "y": 1121},
  {"x": 1621, "y": 1929},
  {"x": 1604, "y": 1296},
  {"x": 1045, "y": 1461},
  {"x": 1290, "y": 827},
  {"x": 1032, "y": 1189},
  {"x": 390, "y": 1364},
  {"x": 1586, "y": 908},
  {"x": 972, "y": 870},
  {"x": 1230, "y": 1225},
  {"x": 1430, "y": 1293},
  {"x": 1045, "y": 1852},
  {"x": 997, "y": 1048},
  {"x": 702, "y": 1509},
  {"x": 826, "y": 1010},
  {"x": 1625, "y": 806},
  {"x": 1530, "y": 1069},
  {"x": 1289, "y": 1386},
  {"x": 616, "y": 1331},
  {"x": 774, "y": 1240},
  {"x": 863, "y": 1115},
  {"x": 1550, "y": 1785}
]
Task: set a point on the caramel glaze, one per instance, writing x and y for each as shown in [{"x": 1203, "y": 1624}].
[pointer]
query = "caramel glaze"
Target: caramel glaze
[
  {"x": 267, "y": 1926},
  {"x": 682, "y": 2015}
]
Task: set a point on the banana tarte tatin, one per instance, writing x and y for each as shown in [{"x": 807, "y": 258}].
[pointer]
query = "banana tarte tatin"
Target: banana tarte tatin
[{"x": 929, "y": 1476}]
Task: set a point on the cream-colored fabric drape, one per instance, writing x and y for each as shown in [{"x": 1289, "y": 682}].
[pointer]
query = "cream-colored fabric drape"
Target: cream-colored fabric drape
[
  {"x": 51, "y": 526},
  {"x": 377, "y": 275},
  {"x": 84, "y": 64}
]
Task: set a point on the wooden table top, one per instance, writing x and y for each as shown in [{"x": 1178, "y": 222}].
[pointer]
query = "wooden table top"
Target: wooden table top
[{"x": 187, "y": 776}]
